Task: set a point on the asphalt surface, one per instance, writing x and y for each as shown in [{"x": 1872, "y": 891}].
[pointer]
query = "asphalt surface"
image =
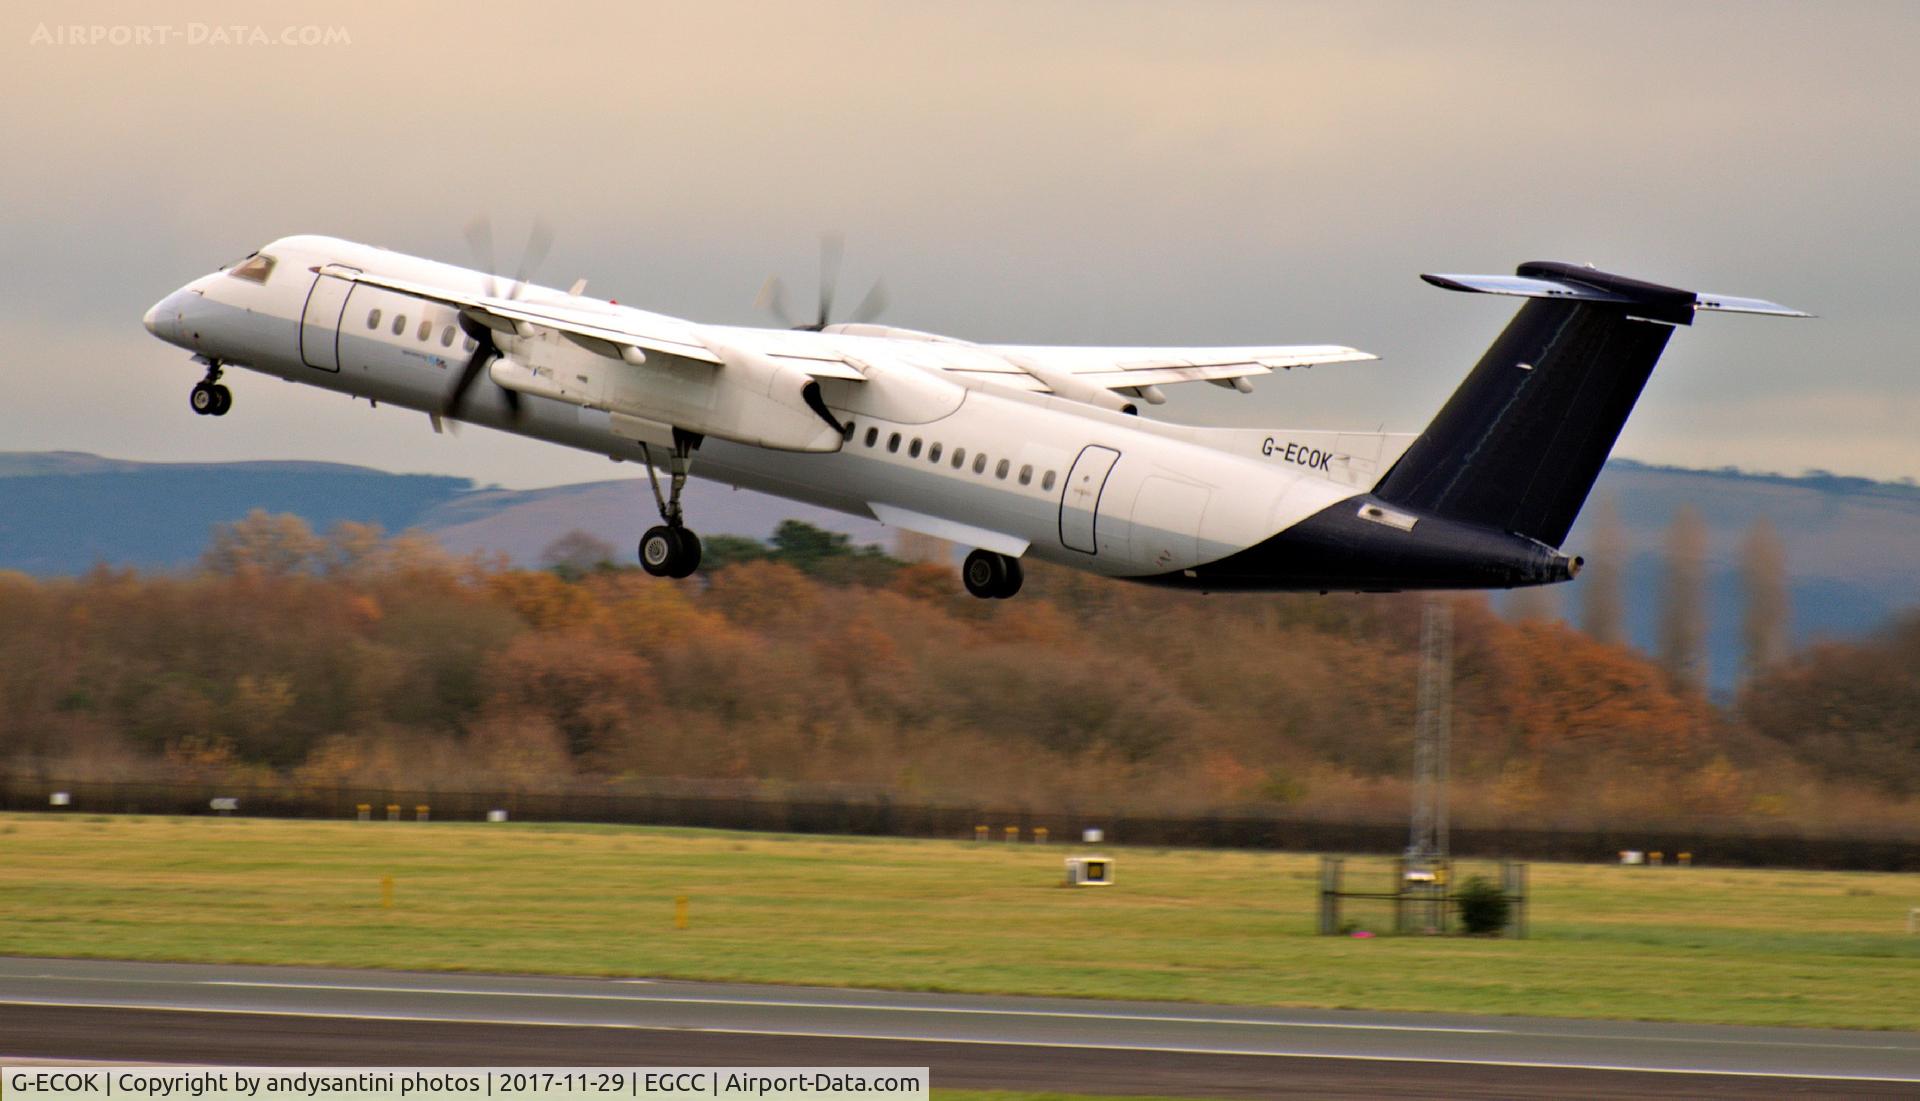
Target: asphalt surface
[{"x": 147, "y": 1012}]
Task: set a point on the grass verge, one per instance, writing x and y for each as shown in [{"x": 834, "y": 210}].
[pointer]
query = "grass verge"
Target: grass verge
[{"x": 1696, "y": 944}]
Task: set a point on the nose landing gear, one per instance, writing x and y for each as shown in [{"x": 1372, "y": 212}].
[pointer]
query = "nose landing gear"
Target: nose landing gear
[
  {"x": 991, "y": 576},
  {"x": 209, "y": 398},
  {"x": 671, "y": 549}
]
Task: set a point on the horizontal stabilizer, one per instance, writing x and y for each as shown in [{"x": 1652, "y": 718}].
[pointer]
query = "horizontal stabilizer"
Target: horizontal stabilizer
[{"x": 1568, "y": 283}]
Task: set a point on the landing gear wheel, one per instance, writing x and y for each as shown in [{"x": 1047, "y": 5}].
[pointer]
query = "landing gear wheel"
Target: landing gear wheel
[
  {"x": 660, "y": 551},
  {"x": 209, "y": 398},
  {"x": 1015, "y": 578},
  {"x": 991, "y": 576},
  {"x": 669, "y": 551},
  {"x": 689, "y": 554}
]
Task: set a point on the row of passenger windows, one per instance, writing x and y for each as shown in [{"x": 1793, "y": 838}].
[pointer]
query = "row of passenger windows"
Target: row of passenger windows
[
  {"x": 959, "y": 459},
  {"x": 423, "y": 332}
]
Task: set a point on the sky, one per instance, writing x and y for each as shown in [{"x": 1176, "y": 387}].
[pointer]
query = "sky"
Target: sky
[{"x": 1096, "y": 173}]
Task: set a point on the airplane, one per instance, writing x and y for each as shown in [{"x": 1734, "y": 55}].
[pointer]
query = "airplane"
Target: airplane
[{"x": 1014, "y": 451}]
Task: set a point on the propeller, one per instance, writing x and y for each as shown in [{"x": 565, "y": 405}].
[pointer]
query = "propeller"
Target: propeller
[
  {"x": 772, "y": 297},
  {"x": 480, "y": 240}
]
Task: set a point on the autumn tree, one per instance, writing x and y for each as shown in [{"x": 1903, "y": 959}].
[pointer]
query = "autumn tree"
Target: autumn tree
[
  {"x": 1683, "y": 601},
  {"x": 263, "y": 543},
  {"x": 1763, "y": 574},
  {"x": 1851, "y": 710},
  {"x": 576, "y": 554},
  {"x": 1602, "y": 580}
]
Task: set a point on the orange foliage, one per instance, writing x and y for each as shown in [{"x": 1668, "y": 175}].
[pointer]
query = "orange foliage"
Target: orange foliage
[{"x": 363, "y": 658}]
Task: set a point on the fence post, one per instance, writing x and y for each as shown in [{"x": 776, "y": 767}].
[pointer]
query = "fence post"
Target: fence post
[{"x": 1330, "y": 895}]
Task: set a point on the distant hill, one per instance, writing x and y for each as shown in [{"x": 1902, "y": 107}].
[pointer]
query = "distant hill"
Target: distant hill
[
  {"x": 520, "y": 523},
  {"x": 1851, "y": 549},
  {"x": 62, "y": 512},
  {"x": 1850, "y": 542}
]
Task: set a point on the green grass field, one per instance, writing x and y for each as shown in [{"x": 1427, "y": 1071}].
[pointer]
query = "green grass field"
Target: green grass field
[{"x": 1696, "y": 944}]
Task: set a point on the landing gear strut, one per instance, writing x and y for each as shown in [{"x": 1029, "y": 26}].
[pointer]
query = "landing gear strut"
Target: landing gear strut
[
  {"x": 991, "y": 576},
  {"x": 670, "y": 549},
  {"x": 209, "y": 398}
]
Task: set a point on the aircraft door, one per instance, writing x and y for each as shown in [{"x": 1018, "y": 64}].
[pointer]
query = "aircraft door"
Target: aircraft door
[
  {"x": 320, "y": 321},
  {"x": 1080, "y": 497}
]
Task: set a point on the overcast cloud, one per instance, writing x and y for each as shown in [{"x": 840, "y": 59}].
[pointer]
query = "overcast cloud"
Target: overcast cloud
[{"x": 1062, "y": 173}]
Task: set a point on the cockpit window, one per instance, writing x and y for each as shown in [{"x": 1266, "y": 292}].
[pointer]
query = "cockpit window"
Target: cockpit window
[{"x": 254, "y": 268}]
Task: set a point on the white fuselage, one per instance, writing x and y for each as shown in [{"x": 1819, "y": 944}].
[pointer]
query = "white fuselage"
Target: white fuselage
[{"x": 929, "y": 450}]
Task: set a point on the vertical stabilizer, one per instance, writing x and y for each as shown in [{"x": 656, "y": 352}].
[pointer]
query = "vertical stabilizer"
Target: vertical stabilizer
[{"x": 1519, "y": 444}]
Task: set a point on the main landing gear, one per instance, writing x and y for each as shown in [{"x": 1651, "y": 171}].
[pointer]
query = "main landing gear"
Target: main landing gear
[
  {"x": 670, "y": 549},
  {"x": 991, "y": 576},
  {"x": 209, "y": 398}
]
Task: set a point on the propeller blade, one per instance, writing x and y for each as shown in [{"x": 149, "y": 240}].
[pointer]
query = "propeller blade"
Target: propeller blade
[
  {"x": 539, "y": 240},
  {"x": 484, "y": 350},
  {"x": 872, "y": 306},
  {"x": 832, "y": 246},
  {"x": 480, "y": 242},
  {"x": 772, "y": 299},
  {"x": 475, "y": 364}
]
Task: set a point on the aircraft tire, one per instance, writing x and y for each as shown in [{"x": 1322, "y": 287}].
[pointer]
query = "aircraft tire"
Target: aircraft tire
[
  {"x": 689, "y": 558},
  {"x": 659, "y": 551},
  {"x": 1015, "y": 576},
  {"x": 984, "y": 573},
  {"x": 222, "y": 401},
  {"x": 202, "y": 400}
]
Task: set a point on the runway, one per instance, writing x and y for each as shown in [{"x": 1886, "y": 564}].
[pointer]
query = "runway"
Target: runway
[{"x": 111, "y": 1010}]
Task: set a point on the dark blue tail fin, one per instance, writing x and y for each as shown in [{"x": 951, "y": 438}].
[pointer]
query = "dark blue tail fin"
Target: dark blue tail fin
[{"x": 1519, "y": 444}]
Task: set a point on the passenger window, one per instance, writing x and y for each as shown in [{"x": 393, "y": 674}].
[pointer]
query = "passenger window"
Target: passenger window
[
  {"x": 254, "y": 269},
  {"x": 913, "y": 449},
  {"x": 1026, "y": 475},
  {"x": 399, "y": 324},
  {"x": 470, "y": 344},
  {"x": 893, "y": 442},
  {"x": 426, "y": 330},
  {"x": 446, "y": 337},
  {"x": 959, "y": 457},
  {"x": 373, "y": 319},
  {"x": 979, "y": 464},
  {"x": 933, "y": 453},
  {"x": 873, "y": 436},
  {"x": 1046, "y": 481},
  {"x": 1000, "y": 471}
]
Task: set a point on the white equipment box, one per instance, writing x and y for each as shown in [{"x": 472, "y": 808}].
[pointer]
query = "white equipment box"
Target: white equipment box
[{"x": 1089, "y": 871}]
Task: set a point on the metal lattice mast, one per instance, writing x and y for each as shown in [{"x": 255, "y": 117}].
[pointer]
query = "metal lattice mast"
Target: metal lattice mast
[{"x": 1427, "y": 843}]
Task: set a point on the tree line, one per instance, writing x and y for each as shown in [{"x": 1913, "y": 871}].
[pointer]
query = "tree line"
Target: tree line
[{"x": 357, "y": 657}]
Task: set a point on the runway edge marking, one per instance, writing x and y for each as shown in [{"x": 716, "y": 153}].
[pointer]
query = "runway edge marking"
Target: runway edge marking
[{"x": 1147, "y": 1048}]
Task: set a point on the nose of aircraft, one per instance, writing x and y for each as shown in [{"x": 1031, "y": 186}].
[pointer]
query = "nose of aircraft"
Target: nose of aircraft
[{"x": 163, "y": 318}]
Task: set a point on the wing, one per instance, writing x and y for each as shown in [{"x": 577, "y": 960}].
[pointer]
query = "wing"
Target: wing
[
  {"x": 612, "y": 330},
  {"x": 1126, "y": 368},
  {"x": 615, "y": 331},
  {"x": 1077, "y": 371}
]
